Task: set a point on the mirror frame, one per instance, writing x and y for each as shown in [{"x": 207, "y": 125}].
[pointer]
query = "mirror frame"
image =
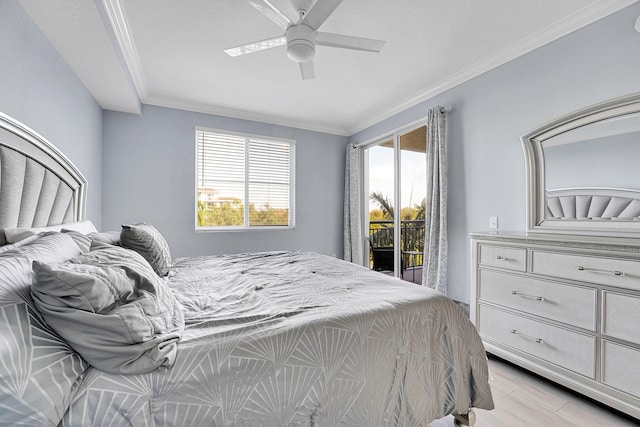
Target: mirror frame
[{"x": 535, "y": 171}]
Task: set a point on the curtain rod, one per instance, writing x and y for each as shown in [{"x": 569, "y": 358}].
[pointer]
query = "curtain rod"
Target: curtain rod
[{"x": 443, "y": 109}]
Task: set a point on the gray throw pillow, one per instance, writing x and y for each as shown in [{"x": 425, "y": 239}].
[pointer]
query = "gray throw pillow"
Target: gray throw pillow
[
  {"x": 112, "y": 308},
  {"x": 146, "y": 240}
]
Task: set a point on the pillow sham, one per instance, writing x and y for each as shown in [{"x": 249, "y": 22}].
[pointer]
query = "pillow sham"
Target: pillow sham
[
  {"x": 37, "y": 386},
  {"x": 110, "y": 237},
  {"x": 146, "y": 240},
  {"x": 112, "y": 308},
  {"x": 82, "y": 240},
  {"x": 46, "y": 247},
  {"x": 16, "y": 234},
  {"x": 22, "y": 242}
]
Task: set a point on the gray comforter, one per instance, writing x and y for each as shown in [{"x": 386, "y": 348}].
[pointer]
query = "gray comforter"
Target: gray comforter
[{"x": 281, "y": 338}]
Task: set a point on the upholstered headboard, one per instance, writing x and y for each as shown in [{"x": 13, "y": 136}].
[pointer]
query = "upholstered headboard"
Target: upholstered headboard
[
  {"x": 39, "y": 186},
  {"x": 593, "y": 204}
]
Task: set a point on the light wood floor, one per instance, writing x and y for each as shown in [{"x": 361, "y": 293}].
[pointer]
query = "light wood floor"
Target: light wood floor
[{"x": 524, "y": 399}]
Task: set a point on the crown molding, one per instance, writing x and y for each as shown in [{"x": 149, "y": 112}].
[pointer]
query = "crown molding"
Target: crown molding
[
  {"x": 118, "y": 21},
  {"x": 216, "y": 110},
  {"x": 579, "y": 19}
]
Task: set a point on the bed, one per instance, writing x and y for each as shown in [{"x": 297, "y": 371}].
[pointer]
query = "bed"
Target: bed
[{"x": 256, "y": 339}]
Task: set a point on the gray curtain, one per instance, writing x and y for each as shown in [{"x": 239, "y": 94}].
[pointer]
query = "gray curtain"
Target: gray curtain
[
  {"x": 352, "y": 208},
  {"x": 434, "y": 271}
]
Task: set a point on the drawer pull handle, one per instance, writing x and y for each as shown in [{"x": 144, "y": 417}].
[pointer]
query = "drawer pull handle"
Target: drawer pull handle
[
  {"x": 600, "y": 271},
  {"x": 538, "y": 340},
  {"x": 502, "y": 258},
  {"x": 535, "y": 297}
]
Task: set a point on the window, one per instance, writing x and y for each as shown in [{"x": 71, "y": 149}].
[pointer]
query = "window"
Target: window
[{"x": 243, "y": 181}]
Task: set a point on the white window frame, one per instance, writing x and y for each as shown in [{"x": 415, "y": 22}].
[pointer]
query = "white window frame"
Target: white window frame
[{"x": 246, "y": 226}]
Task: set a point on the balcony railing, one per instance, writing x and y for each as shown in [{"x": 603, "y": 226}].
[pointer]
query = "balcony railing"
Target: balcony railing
[{"x": 381, "y": 239}]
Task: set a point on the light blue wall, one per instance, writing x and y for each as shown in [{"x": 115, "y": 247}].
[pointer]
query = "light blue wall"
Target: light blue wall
[
  {"x": 38, "y": 88},
  {"x": 491, "y": 112},
  {"x": 149, "y": 175}
]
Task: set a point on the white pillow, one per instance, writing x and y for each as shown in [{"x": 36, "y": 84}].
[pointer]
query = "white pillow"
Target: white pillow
[{"x": 14, "y": 235}]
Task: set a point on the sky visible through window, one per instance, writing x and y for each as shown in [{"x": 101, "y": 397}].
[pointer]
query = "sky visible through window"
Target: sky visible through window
[{"x": 413, "y": 175}]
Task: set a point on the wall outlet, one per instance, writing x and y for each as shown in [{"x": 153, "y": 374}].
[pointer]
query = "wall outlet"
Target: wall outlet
[{"x": 493, "y": 222}]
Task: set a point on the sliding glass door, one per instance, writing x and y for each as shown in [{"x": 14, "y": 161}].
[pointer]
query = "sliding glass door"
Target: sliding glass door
[{"x": 395, "y": 189}]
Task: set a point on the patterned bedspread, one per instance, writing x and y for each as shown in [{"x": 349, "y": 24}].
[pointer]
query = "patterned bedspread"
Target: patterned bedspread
[{"x": 295, "y": 338}]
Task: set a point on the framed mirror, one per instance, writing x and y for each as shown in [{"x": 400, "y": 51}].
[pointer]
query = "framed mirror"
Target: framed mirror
[{"x": 583, "y": 171}]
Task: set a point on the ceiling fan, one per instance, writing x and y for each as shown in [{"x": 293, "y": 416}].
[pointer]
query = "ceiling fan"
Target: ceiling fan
[{"x": 301, "y": 34}]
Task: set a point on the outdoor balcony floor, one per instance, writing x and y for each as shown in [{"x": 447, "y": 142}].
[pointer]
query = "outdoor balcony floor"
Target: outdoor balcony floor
[{"x": 410, "y": 274}]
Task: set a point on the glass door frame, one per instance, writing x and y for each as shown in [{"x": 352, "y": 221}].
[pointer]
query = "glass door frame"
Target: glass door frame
[{"x": 397, "y": 188}]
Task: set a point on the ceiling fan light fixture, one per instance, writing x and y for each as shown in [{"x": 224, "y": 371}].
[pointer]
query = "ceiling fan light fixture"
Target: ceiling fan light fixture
[
  {"x": 301, "y": 45},
  {"x": 301, "y": 50}
]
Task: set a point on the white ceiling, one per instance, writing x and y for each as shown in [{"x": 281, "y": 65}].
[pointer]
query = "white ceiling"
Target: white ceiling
[{"x": 170, "y": 53}]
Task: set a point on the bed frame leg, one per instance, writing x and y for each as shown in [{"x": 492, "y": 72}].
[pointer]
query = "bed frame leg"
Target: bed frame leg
[{"x": 465, "y": 420}]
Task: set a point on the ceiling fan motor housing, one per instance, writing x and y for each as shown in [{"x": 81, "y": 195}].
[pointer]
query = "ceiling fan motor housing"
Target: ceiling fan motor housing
[
  {"x": 301, "y": 43},
  {"x": 302, "y": 6}
]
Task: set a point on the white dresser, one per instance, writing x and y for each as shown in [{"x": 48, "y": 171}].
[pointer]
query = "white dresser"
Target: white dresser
[{"x": 565, "y": 307}]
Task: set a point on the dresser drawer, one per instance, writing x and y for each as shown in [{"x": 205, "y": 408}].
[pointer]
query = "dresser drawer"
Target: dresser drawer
[
  {"x": 503, "y": 257},
  {"x": 621, "y": 316},
  {"x": 564, "y": 303},
  {"x": 605, "y": 271},
  {"x": 620, "y": 367},
  {"x": 570, "y": 350}
]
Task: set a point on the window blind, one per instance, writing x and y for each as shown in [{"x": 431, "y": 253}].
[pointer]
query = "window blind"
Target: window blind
[{"x": 243, "y": 181}]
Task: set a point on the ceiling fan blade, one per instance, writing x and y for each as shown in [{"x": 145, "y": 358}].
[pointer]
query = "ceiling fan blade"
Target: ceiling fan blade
[
  {"x": 272, "y": 12},
  {"x": 319, "y": 12},
  {"x": 348, "y": 42},
  {"x": 256, "y": 46},
  {"x": 307, "y": 70}
]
